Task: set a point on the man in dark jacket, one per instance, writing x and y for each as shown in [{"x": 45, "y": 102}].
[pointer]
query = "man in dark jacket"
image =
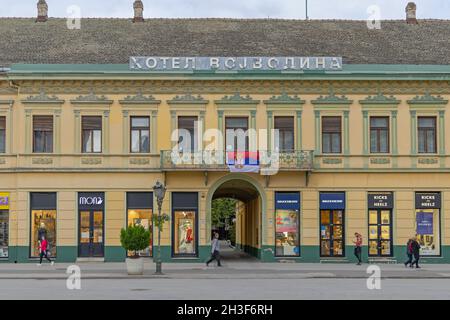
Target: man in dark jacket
[{"x": 416, "y": 253}]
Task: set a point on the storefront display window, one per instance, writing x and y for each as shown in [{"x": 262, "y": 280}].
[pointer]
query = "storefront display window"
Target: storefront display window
[
  {"x": 287, "y": 237},
  {"x": 140, "y": 217},
  {"x": 43, "y": 224},
  {"x": 428, "y": 223},
  {"x": 380, "y": 224},
  {"x": 4, "y": 225},
  {"x": 332, "y": 222},
  {"x": 184, "y": 232}
]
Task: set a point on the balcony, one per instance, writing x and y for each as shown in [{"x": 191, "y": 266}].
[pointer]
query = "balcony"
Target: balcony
[{"x": 269, "y": 161}]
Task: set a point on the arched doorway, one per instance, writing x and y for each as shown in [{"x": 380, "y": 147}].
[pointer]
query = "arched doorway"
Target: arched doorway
[{"x": 249, "y": 217}]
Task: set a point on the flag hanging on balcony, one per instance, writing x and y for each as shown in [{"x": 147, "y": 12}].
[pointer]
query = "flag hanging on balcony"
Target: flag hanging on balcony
[{"x": 243, "y": 161}]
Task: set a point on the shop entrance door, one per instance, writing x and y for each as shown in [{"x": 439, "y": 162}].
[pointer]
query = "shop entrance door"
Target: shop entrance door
[
  {"x": 380, "y": 233},
  {"x": 332, "y": 233},
  {"x": 91, "y": 243}
]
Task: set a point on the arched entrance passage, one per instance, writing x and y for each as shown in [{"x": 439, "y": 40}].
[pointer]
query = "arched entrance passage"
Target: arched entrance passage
[{"x": 251, "y": 216}]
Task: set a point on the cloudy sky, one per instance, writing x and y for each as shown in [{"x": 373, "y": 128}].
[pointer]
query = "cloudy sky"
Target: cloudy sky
[{"x": 294, "y": 9}]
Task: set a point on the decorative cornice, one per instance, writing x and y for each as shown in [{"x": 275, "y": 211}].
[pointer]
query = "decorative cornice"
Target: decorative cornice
[
  {"x": 91, "y": 98},
  {"x": 380, "y": 98},
  {"x": 427, "y": 98},
  {"x": 139, "y": 98},
  {"x": 188, "y": 99},
  {"x": 284, "y": 98},
  {"x": 237, "y": 99},
  {"x": 6, "y": 102},
  {"x": 42, "y": 97},
  {"x": 332, "y": 98}
]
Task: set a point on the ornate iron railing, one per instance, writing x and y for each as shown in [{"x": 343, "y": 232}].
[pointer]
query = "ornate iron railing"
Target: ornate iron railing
[{"x": 298, "y": 160}]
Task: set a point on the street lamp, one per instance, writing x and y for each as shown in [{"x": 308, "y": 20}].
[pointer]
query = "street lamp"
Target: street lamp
[{"x": 160, "y": 191}]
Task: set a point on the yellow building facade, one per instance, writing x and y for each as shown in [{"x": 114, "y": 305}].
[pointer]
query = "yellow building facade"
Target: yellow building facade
[
  {"x": 333, "y": 192},
  {"x": 334, "y": 146}
]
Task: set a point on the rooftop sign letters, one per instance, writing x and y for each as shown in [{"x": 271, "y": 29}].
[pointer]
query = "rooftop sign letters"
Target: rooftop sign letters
[{"x": 236, "y": 63}]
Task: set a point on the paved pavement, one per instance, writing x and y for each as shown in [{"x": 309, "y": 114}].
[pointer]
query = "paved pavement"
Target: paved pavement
[{"x": 241, "y": 278}]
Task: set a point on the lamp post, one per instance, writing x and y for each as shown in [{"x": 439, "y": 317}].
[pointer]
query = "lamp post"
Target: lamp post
[{"x": 160, "y": 191}]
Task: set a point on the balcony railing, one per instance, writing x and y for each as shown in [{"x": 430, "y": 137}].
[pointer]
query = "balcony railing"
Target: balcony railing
[{"x": 298, "y": 160}]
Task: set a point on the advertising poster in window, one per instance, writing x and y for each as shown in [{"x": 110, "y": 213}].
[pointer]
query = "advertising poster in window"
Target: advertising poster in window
[{"x": 287, "y": 212}]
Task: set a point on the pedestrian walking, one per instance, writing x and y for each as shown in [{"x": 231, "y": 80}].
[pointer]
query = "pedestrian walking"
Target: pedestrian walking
[
  {"x": 358, "y": 247},
  {"x": 409, "y": 252},
  {"x": 43, "y": 251},
  {"x": 415, "y": 253},
  {"x": 215, "y": 250}
]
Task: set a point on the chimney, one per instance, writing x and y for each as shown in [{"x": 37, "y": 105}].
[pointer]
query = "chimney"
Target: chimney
[
  {"x": 411, "y": 13},
  {"x": 42, "y": 11},
  {"x": 138, "y": 11}
]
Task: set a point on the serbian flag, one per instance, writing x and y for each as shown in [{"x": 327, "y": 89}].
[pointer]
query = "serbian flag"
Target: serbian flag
[{"x": 243, "y": 161}]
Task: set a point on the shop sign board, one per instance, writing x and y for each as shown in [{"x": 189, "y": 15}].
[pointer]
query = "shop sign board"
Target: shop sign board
[
  {"x": 380, "y": 201},
  {"x": 428, "y": 200},
  {"x": 332, "y": 201}
]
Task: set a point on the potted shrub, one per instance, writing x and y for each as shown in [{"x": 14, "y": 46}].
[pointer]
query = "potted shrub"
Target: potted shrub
[{"x": 135, "y": 239}]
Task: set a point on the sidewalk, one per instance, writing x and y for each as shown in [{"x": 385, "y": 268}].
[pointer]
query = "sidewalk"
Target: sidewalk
[{"x": 231, "y": 270}]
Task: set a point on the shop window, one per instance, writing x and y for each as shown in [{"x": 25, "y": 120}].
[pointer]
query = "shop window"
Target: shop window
[
  {"x": 187, "y": 134},
  {"x": 43, "y": 222},
  {"x": 236, "y": 134},
  {"x": 91, "y": 134},
  {"x": 2, "y": 134},
  {"x": 285, "y": 127},
  {"x": 331, "y": 134},
  {"x": 43, "y": 134},
  {"x": 184, "y": 232},
  {"x": 379, "y": 134},
  {"x": 332, "y": 224},
  {"x": 427, "y": 134},
  {"x": 287, "y": 217},
  {"x": 139, "y": 212},
  {"x": 428, "y": 211},
  {"x": 4, "y": 225},
  {"x": 140, "y": 134}
]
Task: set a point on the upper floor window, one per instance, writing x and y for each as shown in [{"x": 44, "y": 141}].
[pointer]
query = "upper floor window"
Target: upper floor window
[
  {"x": 43, "y": 134},
  {"x": 331, "y": 134},
  {"x": 2, "y": 134},
  {"x": 187, "y": 133},
  {"x": 236, "y": 134},
  {"x": 427, "y": 134},
  {"x": 91, "y": 134},
  {"x": 140, "y": 134},
  {"x": 285, "y": 127},
  {"x": 379, "y": 134}
]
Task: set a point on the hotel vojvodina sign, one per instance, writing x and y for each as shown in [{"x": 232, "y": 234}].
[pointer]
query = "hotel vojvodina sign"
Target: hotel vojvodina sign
[{"x": 236, "y": 63}]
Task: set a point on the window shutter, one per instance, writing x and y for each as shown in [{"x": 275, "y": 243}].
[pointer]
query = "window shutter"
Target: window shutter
[
  {"x": 43, "y": 123},
  {"x": 331, "y": 124},
  {"x": 92, "y": 123}
]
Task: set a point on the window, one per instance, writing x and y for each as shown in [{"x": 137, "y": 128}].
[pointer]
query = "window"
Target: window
[
  {"x": 285, "y": 127},
  {"x": 2, "y": 134},
  {"x": 184, "y": 223},
  {"x": 92, "y": 134},
  {"x": 236, "y": 137},
  {"x": 427, "y": 134},
  {"x": 140, "y": 134},
  {"x": 43, "y": 134},
  {"x": 379, "y": 134},
  {"x": 139, "y": 213},
  {"x": 331, "y": 134},
  {"x": 287, "y": 216},
  {"x": 43, "y": 222},
  {"x": 187, "y": 134}
]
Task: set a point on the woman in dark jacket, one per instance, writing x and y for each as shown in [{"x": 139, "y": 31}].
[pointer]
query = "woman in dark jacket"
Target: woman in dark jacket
[
  {"x": 409, "y": 252},
  {"x": 416, "y": 253}
]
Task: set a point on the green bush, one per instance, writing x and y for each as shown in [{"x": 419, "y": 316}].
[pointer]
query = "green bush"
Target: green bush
[{"x": 134, "y": 239}]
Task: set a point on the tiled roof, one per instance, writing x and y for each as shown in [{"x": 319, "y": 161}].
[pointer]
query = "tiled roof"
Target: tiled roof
[{"x": 113, "y": 41}]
